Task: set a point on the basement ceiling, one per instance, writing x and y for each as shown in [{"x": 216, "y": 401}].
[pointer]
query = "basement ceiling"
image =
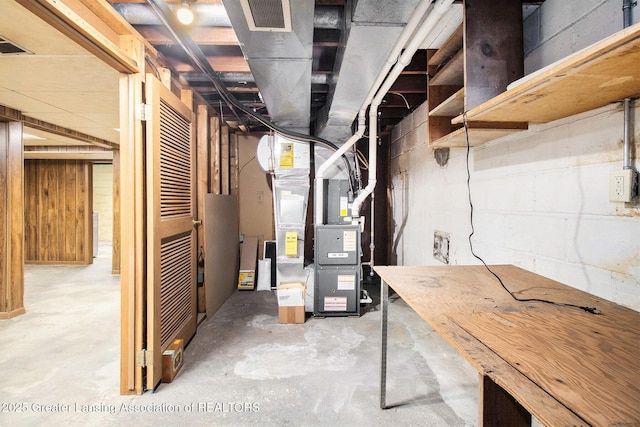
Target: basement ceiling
[
  {"x": 312, "y": 79},
  {"x": 55, "y": 80}
]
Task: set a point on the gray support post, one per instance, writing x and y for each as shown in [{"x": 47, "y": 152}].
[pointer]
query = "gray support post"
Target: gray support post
[{"x": 384, "y": 307}]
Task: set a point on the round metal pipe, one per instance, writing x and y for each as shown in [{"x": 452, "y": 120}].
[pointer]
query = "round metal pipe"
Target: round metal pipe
[
  {"x": 626, "y": 161},
  {"x": 626, "y": 12}
]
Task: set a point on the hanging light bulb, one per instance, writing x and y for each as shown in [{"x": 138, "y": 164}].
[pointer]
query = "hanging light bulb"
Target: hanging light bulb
[{"x": 184, "y": 14}]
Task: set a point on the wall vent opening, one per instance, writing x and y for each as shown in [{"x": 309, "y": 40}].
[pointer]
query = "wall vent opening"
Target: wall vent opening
[
  {"x": 267, "y": 15},
  {"x": 7, "y": 47}
]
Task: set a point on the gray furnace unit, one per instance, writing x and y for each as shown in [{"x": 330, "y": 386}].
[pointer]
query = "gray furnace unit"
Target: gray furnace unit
[{"x": 337, "y": 261}]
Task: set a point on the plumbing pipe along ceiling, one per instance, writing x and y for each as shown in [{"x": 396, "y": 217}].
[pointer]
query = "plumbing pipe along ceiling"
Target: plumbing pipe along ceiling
[{"x": 311, "y": 79}]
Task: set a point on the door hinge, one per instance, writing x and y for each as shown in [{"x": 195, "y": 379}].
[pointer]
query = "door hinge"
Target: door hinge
[
  {"x": 144, "y": 358},
  {"x": 143, "y": 112}
]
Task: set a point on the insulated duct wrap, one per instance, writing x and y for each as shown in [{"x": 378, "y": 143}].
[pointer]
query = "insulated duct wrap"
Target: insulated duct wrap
[{"x": 288, "y": 161}]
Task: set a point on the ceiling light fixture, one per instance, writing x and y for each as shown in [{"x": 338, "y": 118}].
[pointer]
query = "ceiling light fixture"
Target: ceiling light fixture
[{"x": 184, "y": 13}]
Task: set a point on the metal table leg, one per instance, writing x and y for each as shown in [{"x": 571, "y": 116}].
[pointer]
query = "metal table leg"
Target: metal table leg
[{"x": 384, "y": 306}]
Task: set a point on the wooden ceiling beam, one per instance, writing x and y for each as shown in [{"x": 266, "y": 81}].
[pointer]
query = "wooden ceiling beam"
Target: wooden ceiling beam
[
  {"x": 219, "y": 36},
  {"x": 68, "y": 153},
  {"x": 223, "y": 64},
  {"x": 80, "y": 24},
  {"x": 410, "y": 83},
  {"x": 7, "y": 113}
]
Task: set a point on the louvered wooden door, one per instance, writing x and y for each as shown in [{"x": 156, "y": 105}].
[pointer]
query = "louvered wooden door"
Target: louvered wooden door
[{"x": 171, "y": 247}]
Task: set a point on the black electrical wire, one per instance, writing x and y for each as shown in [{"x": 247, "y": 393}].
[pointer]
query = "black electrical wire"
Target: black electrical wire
[
  {"x": 197, "y": 56},
  {"x": 164, "y": 14},
  {"x": 592, "y": 310}
]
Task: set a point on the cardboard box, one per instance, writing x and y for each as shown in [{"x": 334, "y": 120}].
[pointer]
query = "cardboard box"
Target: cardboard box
[
  {"x": 291, "y": 314},
  {"x": 172, "y": 359},
  {"x": 291, "y": 302},
  {"x": 248, "y": 263}
]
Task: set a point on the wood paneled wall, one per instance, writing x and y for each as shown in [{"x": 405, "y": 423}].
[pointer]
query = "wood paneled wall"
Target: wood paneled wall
[
  {"x": 11, "y": 221},
  {"x": 58, "y": 212}
]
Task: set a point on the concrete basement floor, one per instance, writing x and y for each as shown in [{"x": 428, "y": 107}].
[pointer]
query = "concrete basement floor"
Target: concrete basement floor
[{"x": 241, "y": 368}]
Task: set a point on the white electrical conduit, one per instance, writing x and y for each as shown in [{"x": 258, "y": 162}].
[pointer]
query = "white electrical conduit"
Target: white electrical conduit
[
  {"x": 417, "y": 16},
  {"x": 440, "y": 8},
  {"x": 626, "y": 160}
]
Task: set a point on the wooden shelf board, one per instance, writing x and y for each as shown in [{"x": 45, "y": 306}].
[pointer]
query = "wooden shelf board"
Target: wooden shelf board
[
  {"x": 452, "y": 45},
  {"x": 450, "y": 107},
  {"x": 477, "y": 136},
  {"x": 601, "y": 74},
  {"x": 452, "y": 73}
]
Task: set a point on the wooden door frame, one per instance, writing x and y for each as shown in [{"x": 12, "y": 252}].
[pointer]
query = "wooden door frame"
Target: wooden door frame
[{"x": 133, "y": 244}]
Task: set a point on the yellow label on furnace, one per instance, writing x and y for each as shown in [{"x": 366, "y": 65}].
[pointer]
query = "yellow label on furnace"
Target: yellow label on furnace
[
  {"x": 291, "y": 243},
  {"x": 286, "y": 156}
]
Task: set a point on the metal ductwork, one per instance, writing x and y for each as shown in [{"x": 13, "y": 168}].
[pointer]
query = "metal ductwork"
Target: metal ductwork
[
  {"x": 372, "y": 31},
  {"x": 267, "y": 15},
  {"x": 280, "y": 63}
]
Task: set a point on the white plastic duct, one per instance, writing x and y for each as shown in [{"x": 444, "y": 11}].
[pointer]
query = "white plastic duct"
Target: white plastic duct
[
  {"x": 439, "y": 8},
  {"x": 417, "y": 16},
  {"x": 319, "y": 185}
]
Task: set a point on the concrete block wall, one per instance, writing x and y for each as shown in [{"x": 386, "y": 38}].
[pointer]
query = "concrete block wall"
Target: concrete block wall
[
  {"x": 540, "y": 197},
  {"x": 561, "y": 27}
]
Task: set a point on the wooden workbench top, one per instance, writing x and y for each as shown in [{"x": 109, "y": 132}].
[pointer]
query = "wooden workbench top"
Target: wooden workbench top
[{"x": 588, "y": 363}]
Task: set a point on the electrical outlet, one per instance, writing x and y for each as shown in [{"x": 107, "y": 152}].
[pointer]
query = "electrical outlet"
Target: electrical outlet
[
  {"x": 441, "y": 246},
  {"x": 622, "y": 185}
]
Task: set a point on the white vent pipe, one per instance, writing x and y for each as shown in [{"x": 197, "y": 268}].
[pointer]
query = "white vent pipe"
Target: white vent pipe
[
  {"x": 440, "y": 8},
  {"x": 417, "y": 16}
]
